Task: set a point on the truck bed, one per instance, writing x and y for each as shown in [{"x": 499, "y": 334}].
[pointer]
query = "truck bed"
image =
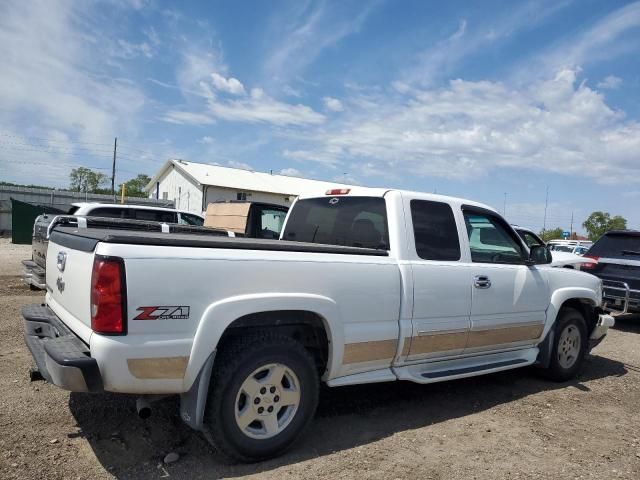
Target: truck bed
[{"x": 87, "y": 239}]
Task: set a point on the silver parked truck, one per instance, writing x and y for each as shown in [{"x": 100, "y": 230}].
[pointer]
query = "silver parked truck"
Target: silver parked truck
[{"x": 35, "y": 268}]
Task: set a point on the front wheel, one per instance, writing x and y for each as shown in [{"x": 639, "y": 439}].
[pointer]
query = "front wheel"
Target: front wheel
[
  {"x": 570, "y": 346},
  {"x": 262, "y": 396}
]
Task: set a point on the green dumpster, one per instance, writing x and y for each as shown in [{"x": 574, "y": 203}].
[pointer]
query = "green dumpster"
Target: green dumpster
[{"x": 23, "y": 215}]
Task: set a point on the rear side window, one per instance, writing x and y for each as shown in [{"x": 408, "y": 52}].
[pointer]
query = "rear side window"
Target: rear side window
[
  {"x": 346, "y": 221},
  {"x": 189, "y": 219},
  {"x": 435, "y": 231},
  {"x": 154, "y": 215},
  {"x": 617, "y": 245},
  {"x": 109, "y": 212}
]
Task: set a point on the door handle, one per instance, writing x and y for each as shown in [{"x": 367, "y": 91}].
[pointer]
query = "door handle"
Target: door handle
[{"x": 481, "y": 281}]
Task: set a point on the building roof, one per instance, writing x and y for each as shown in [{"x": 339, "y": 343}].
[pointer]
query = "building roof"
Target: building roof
[{"x": 240, "y": 179}]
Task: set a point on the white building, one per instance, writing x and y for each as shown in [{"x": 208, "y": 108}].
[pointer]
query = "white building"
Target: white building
[{"x": 192, "y": 186}]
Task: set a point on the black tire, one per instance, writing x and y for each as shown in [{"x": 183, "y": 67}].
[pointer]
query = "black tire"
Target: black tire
[
  {"x": 569, "y": 318},
  {"x": 235, "y": 361},
  {"x": 33, "y": 288}
]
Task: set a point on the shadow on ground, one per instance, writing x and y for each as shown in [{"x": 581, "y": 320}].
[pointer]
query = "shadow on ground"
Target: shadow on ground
[
  {"x": 628, "y": 323},
  {"x": 347, "y": 417}
]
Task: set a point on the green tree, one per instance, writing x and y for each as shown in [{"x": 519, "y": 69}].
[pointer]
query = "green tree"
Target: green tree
[
  {"x": 135, "y": 186},
  {"x": 600, "y": 222},
  {"x": 552, "y": 234},
  {"x": 85, "y": 180}
]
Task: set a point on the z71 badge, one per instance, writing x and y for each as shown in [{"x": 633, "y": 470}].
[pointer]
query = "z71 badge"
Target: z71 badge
[{"x": 163, "y": 313}]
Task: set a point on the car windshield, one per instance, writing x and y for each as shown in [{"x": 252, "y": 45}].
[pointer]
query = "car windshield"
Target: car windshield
[
  {"x": 347, "y": 221},
  {"x": 563, "y": 248}
]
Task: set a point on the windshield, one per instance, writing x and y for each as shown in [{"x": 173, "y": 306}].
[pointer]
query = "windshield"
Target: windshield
[
  {"x": 346, "y": 221},
  {"x": 563, "y": 248}
]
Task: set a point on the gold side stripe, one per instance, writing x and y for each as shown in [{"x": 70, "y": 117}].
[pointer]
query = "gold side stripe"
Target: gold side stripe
[
  {"x": 440, "y": 342},
  {"x": 369, "y": 351},
  {"x": 406, "y": 345},
  {"x": 158, "y": 368},
  {"x": 499, "y": 336}
]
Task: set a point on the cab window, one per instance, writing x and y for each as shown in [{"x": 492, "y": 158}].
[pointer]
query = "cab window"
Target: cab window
[{"x": 490, "y": 240}]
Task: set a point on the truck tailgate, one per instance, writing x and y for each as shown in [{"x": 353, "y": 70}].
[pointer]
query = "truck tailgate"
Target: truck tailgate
[{"x": 69, "y": 287}]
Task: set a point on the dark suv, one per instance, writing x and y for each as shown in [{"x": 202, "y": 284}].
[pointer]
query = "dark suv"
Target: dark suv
[{"x": 618, "y": 265}]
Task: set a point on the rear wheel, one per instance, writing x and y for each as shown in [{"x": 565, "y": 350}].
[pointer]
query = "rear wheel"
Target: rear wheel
[
  {"x": 262, "y": 396},
  {"x": 570, "y": 346}
]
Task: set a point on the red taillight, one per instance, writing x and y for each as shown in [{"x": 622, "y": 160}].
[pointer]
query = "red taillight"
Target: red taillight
[
  {"x": 338, "y": 191},
  {"x": 107, "y": 296},
  {"x": 590, "y": 265}
]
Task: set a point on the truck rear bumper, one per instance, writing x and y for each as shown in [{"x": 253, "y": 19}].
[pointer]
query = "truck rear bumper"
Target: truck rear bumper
[
  {"x": 61, "y": 357},
  {"x": 33, "y": 274}
]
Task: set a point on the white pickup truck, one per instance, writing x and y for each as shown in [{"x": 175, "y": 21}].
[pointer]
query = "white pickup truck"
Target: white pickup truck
[{"x": 365, "y": 285}]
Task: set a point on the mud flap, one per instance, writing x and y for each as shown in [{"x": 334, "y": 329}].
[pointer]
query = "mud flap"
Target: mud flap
[
  {"x": 194, "y": 401},
  {"x": 544, "y": 355}
]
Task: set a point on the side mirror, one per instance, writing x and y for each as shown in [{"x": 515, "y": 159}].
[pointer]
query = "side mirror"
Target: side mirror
[{"x": 539, "y": 255}]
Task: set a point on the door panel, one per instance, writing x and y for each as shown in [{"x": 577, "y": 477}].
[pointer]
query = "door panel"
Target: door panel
[
  {"x": 508, "y": 299},
  {"x": 442, "y": 302}
]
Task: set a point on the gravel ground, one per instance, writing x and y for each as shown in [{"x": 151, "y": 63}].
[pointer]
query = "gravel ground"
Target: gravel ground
[{"x": 506, "y": 425}]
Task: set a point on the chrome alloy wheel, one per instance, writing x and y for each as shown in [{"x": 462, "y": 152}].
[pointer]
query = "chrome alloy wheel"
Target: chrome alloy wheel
[
  {"x": 267, "y": 401},
  {"x": 569, "y": 346}
]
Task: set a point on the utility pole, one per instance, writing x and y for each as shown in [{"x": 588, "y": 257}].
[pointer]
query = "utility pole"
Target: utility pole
[
  {"x": 546, "y": 203},
  {"x": 571, "y": 229},
  {"x": 113, "y": 172}
]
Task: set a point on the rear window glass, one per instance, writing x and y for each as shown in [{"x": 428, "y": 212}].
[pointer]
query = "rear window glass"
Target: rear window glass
[
  {"x": 346, "y": 221},
  {"x": 617, "y": 245}
]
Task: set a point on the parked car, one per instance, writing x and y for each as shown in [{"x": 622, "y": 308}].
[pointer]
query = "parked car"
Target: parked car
[
  {"x": 365, "y": 285},
  {"x": 568, "y": 245},
  {"x": 615, "y": 258},
  {"x": 247, "y": 219},
  {"x": 35, "y": 269},
  {"x": 560, "y": 257}
]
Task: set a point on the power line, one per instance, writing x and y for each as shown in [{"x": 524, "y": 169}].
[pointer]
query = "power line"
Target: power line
[{"x": 52, "y": 141}]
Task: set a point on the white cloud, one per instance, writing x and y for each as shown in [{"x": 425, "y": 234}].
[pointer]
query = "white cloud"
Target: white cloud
[
  {"x": 51, "y": 72},
  {"x": 291, "y": 92},
  {"x": 207, "y": 140},
  {"x": 291, "y": 172},
  {"x": 440, "y": 60},
  {"x": 128, "y": 50},
  {"x": 194, "y": 72},
  {"x": 237, "y": 164},
  {"x": 257, "y": 107},
  {"x": 469, "y": 129},
  {"x": 610, "y": 82},
  {"x": 188, "y": 118},
  {"x": 229, "y": 85},
  {"x": 333, "y": 104},
  {"x": 603, "y": 41},
  {"x": 301, "y": 33}
]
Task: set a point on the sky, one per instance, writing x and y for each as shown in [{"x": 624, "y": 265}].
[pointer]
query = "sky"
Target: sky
[{"x": 495, "y": 101}]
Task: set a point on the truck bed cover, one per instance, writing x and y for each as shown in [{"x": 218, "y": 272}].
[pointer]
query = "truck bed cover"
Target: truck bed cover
[{"x": 87, "y": 239}]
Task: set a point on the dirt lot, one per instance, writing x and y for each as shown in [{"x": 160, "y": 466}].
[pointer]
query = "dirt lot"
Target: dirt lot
[{"x": 507, "y": 425}]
